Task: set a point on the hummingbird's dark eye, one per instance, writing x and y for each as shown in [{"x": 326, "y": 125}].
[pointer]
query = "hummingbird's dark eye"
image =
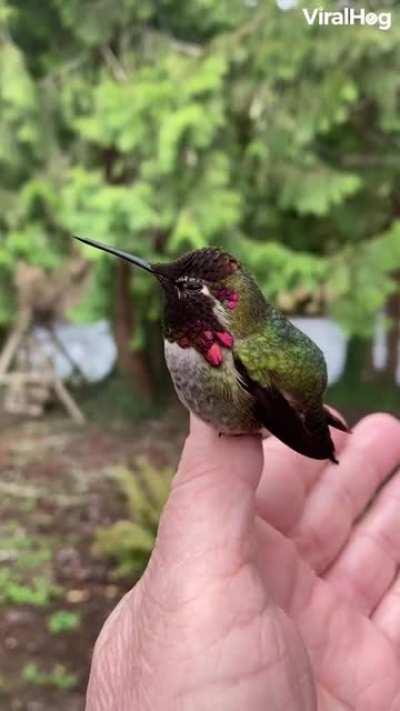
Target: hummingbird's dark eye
[
  {"x": 189, "y": 285},
  {"x": 194, "y": 285}
]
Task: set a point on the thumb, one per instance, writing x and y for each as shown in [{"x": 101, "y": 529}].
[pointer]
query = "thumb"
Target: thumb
[
  {"x": 179, "y": 606},
  {"x": 207, "y": 524}
]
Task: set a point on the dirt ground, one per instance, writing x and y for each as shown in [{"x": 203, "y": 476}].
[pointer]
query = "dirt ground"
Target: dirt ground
[{"x": 54, "y": 492}]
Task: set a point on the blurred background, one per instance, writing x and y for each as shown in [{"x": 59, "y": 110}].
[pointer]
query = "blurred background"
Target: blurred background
[{"x": 160, "y": 127}]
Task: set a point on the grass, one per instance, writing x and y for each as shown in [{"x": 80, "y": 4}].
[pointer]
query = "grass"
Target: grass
[
  {"x": 115, "y": 401},
  {"x": 361, "y": 389},
  {"x": 58, "y": 677},
  {"x": 129, "y": 542},
  {"x": 27, "y": 552},
  {"x": 40, "y": 592},
  {"x": 356, "y": 397},
  {"x": 63, "y": 621},
  {"x": 25, "y": 577}
]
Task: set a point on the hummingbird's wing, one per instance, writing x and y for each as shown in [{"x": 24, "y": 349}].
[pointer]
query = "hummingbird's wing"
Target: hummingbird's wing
[
  {"x": 287, "y": 381},
  {"x": 275, "y": 412}
]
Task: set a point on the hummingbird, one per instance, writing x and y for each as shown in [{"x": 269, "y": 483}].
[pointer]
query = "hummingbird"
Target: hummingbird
[{"x": 236, "y": 361}]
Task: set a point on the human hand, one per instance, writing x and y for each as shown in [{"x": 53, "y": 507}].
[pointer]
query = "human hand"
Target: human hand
[{"x": 276, "y": 589}]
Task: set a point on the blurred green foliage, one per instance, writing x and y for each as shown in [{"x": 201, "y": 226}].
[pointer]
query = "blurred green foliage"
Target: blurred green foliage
[
  {"x": 164, "y": 126},
  {"x": 110, "y": 403},
  {"x": 25, "y": 575},
  {"x": 130, "y": 542},
  {"x": 58, "y": 677},
  {"x": 63, "y": 621},
  {"x": 39, "y": 592}
]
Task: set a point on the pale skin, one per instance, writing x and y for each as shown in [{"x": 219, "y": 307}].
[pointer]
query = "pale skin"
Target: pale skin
[{"x": 270, "y": 588}]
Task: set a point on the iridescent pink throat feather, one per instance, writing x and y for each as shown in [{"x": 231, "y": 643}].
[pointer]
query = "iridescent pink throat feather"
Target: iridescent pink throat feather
[{"x": 211, "y": 343}]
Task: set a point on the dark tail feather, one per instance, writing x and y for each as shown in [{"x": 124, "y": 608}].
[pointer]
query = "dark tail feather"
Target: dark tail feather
[
  {"x": 336, "y": 422},
  {"x": 309, "y": 437},
  {"x": 316, "y": 424}
]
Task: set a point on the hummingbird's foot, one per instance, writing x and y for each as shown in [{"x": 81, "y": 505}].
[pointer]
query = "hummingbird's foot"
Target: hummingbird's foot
[{"x": 240, "y": 434}]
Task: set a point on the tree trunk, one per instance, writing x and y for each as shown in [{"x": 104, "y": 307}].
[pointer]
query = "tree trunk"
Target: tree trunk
[
  {"x": 369, "y": 372},
  {"x": 393, "y": 333},
  {"x": 358, "y": 360},
  {"x": 132, "y": 362}
]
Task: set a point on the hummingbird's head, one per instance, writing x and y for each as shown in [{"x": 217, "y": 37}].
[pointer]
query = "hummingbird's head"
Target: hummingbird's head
[
  {"x": 199, "y": 302},
  {"x": 209, "y": 298}
]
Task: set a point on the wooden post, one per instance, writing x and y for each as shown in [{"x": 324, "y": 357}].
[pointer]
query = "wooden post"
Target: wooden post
[
  {"x": 68, "y": 401},
  {"x": 14, "y": 341}
]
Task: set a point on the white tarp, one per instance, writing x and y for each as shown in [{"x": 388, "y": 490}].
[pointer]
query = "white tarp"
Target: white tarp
[
  {"x": 90, "y": 346},
  {"x": 332, "y": 341},
  {"x": 93, "y": 348}
]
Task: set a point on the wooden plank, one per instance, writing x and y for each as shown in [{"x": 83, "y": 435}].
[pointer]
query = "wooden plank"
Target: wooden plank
[
  {"x": 28, "y": 378},
  {"x": 14, "y": 341},
  {"x": 68, "y": 401}
]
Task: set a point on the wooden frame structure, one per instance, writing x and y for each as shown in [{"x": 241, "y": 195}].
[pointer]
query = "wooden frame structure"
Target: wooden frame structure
[{"x": 29, "y": 388}]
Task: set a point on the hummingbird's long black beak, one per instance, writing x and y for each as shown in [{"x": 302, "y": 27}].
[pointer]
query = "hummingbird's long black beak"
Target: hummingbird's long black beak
[{"x": 118, "y": 253}]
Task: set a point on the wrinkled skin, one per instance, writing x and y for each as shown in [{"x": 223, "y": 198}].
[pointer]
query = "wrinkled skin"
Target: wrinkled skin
[{"x": 270, "y": 586}]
